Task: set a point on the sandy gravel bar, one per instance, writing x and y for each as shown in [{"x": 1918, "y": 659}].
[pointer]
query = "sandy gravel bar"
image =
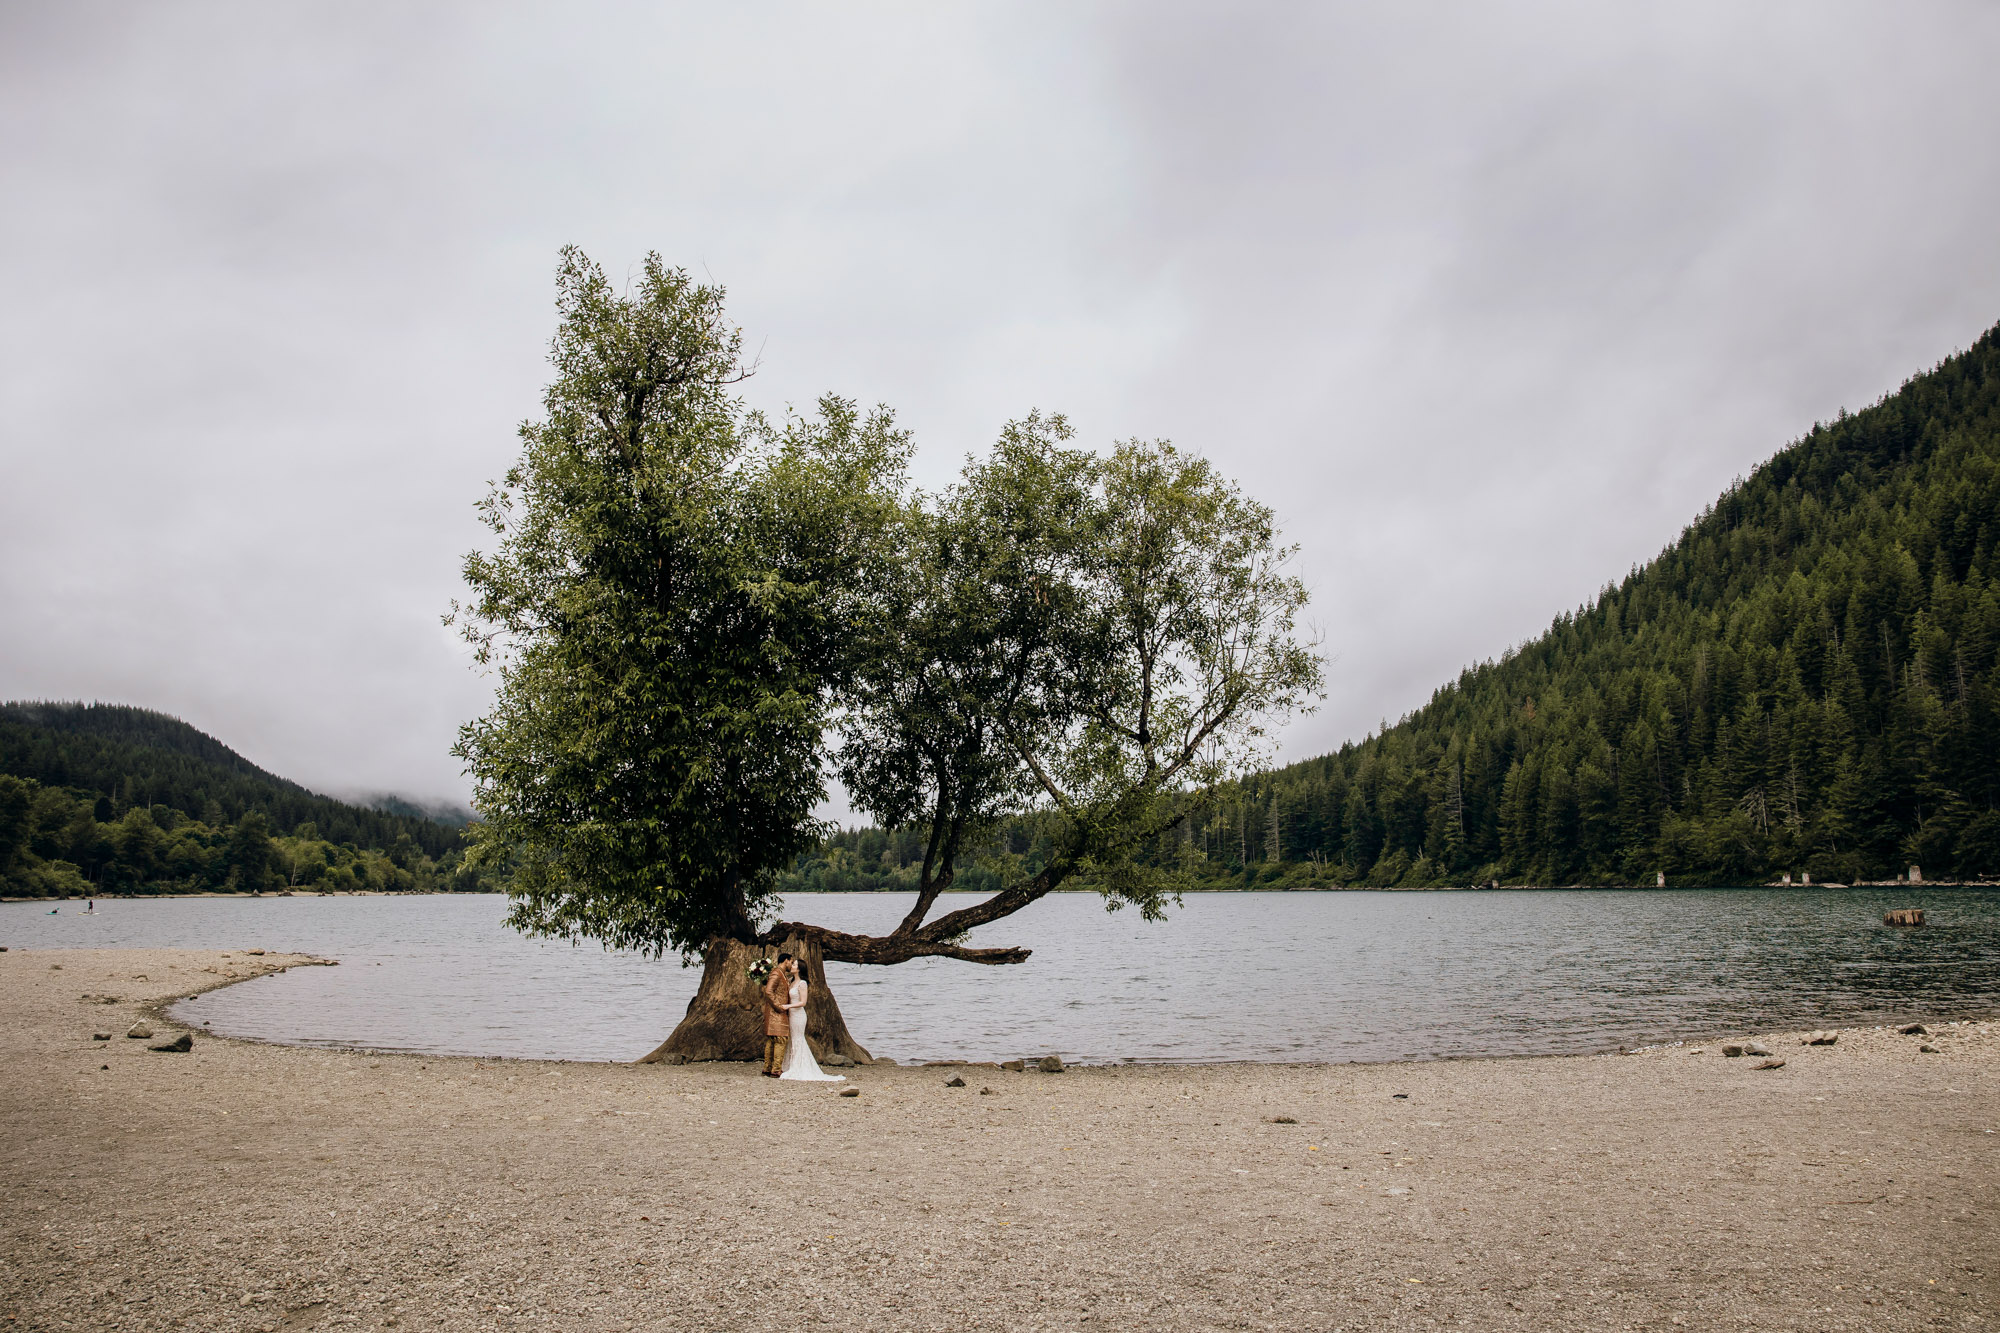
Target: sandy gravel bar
[{"x": 243, "y": 1186}]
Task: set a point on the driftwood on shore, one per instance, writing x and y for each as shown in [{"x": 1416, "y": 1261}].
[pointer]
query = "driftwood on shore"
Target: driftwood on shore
[{"x": 1904, "y": 916}]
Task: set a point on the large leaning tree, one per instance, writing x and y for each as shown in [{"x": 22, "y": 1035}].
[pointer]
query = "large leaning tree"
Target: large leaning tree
[{"x": 695, "y": 612}]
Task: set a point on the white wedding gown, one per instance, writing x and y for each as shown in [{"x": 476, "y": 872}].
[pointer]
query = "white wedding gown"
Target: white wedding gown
[{"x": 799, "y": 1063}]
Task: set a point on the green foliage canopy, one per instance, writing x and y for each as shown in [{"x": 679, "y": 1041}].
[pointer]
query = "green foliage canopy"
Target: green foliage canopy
[
  {"x": 667, "y": 605},
  {"x": 685, "y": 600},
  {"x": 1095, "y": 641}
]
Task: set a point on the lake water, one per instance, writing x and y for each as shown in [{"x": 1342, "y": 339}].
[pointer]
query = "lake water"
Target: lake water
[{"x": 1230, "y": 976}]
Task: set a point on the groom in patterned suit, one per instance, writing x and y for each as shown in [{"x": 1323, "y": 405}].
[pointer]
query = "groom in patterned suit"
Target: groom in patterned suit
[{"x": 777, "y": 1023}]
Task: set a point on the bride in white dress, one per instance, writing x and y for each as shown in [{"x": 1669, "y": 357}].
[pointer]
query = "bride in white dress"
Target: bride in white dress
[{"x": 799, "y": 1063}]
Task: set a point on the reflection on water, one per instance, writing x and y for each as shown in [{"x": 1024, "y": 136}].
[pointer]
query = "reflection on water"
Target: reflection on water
[{"x": 1237, "y": 976}]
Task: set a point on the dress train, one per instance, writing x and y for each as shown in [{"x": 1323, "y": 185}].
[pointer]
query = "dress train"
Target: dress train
[{"x": 800, "y": 1066}]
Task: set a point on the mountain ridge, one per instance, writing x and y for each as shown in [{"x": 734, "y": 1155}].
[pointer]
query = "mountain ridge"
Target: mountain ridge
[
  {"x": 130, "y": 756},
  {"x": 1804, "y": 682}
]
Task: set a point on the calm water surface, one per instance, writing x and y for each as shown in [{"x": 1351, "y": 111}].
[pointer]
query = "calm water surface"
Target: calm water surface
[{"x": 1237, "y": 976}]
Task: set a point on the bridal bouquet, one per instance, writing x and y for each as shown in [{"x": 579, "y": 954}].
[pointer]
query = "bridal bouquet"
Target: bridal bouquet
[{"x": 760, "y": 971}]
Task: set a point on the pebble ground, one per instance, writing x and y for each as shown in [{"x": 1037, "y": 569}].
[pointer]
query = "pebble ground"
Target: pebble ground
[{"x": 249, "y": 1187}]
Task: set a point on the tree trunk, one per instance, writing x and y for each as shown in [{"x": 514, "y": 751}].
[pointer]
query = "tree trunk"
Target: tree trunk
[{"x": 725, "y": 1019}]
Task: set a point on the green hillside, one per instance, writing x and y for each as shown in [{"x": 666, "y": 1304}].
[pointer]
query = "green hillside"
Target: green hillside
[
  {"x": 99, "y": 797},
  {"x": 1805, "y": 682}
]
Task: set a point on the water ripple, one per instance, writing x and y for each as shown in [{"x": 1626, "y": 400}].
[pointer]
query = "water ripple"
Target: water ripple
[{"x": 1252, "y": 976}]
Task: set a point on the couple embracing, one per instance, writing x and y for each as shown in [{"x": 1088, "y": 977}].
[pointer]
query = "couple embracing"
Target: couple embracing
[{"x": 786, "y": 1053}]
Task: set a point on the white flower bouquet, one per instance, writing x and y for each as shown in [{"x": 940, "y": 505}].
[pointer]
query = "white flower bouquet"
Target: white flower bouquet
[{"x": 760, "y": 971}]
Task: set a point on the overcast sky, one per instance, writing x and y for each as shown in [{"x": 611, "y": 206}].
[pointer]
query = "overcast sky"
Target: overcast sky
[{"x": 1488, "y": 301}]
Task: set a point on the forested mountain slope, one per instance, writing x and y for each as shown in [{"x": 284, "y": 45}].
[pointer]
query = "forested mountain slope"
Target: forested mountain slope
[
  {"x": 1805, "y": 682},
  {"x": 128, "y": 757}
]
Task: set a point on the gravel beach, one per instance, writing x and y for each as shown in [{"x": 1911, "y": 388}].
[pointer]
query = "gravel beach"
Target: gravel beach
[{"x": 248, "y": 1187}]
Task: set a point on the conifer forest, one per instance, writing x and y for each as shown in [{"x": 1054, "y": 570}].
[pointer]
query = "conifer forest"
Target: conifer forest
[
  {"x": 1807, "y": 682},
  {"x": 101, "y": 798}
]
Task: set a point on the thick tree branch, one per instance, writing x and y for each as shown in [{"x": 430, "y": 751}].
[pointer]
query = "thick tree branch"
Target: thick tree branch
[
  {"x": 1004, "y": 903},
  {"x": 1056, "y": 794},
  {"x": 884, "y": 950},
  {"x": 929, "y": 888},
  {"x": 925, "y": 895}
]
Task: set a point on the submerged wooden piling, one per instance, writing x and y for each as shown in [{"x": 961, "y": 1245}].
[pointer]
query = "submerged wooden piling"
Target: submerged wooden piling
[{"x": 1904, "y": 916}]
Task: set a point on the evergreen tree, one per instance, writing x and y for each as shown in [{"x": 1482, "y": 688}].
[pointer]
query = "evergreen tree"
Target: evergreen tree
[{"x": 1806, "y": 681}]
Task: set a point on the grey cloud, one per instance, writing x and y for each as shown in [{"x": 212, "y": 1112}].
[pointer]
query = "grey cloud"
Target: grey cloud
[
  {"x": 1489, "y": 301},
  {"x": 1498, "y": 298}
]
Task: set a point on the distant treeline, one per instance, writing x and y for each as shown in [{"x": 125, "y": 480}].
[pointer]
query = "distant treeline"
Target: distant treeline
[
  {"x": 1808, "y": 681},
  {"x": 137, "y": 757},
  {"x": 52, "y": 845},
  {"x": 100, "y": 799},
  {"x": 870, "y": 860}
]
